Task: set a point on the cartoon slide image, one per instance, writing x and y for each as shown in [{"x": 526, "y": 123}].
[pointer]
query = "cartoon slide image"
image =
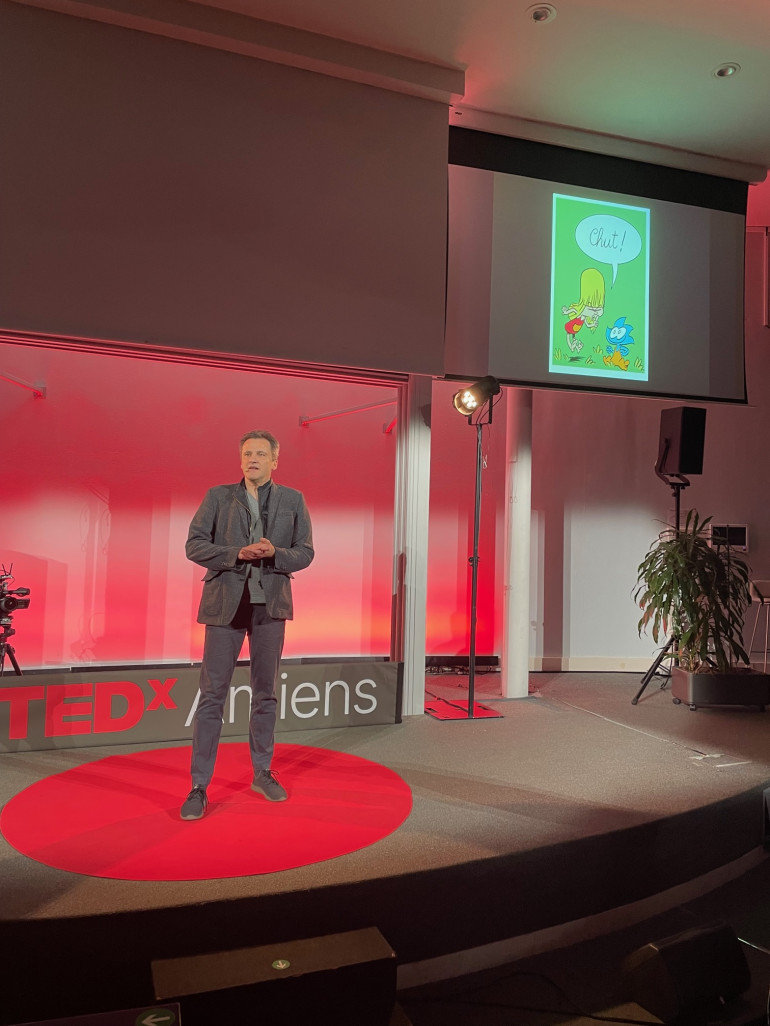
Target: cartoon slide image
[{"x": 600, "y": 253}]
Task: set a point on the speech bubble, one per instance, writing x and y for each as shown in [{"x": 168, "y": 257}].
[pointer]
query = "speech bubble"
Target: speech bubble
[{"x": 608, "y": 239}]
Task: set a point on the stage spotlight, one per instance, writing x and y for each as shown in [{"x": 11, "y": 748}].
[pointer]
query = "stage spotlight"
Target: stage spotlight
[{"x": 469, "y": 399}]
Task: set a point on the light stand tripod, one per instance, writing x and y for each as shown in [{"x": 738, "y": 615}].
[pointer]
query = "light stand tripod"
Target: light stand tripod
[
  {"x": 677, "y": 482},
  {"x": 471, "y": 403},
  {"x": 474, "y": 560}
]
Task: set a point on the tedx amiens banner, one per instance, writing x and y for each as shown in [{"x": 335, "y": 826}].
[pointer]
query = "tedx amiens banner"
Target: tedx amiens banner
[{"x": 73, "y": 710}]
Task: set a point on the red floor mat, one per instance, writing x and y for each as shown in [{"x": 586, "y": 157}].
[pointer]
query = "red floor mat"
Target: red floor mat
[{"x": 118, "y": 817}]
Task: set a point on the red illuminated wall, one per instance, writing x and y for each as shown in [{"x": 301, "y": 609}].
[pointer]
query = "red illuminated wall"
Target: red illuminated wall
[{"x": 104, "y": 475}]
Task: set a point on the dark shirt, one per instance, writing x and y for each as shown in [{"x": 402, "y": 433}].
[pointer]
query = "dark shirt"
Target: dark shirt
[{"x": 258, "y": 511}]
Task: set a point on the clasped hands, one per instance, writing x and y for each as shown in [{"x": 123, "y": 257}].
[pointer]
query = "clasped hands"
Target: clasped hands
[{"x": 263, "y": 549}]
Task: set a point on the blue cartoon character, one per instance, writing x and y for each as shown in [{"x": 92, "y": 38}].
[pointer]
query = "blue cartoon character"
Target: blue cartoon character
[{"x": 619, "y": 339}]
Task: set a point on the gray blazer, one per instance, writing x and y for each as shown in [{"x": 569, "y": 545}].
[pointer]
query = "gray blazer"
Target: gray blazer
[{"x": 220, "y": 529}]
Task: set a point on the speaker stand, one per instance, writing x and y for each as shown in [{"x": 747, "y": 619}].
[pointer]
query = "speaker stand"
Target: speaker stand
[
  {"x": 671, "y": 643},
  {"x": 676, "y": 482}
]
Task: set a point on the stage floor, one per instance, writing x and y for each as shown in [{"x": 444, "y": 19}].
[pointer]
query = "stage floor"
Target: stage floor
[{"x": 572, "y": 804}]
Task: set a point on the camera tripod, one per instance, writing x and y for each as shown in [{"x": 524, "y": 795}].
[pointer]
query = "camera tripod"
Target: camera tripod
[{"x": 6, "y": 648}]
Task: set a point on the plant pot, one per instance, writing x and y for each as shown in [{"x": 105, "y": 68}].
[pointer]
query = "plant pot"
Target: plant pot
[{"x": 740, "y": 687}]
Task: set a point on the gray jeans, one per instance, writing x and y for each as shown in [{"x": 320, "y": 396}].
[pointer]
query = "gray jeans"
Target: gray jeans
[{"x": 221, "y": 649}]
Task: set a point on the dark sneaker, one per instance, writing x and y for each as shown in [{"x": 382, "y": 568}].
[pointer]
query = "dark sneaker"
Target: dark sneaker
[
  {"x": 195, "y": 804},
  {"x": 266, "y": 784}
]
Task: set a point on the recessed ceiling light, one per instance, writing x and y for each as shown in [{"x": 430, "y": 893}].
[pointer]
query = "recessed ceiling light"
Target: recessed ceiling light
[
  {"x": 541, "y": 13},
  {"x": 726, "y": 70}
]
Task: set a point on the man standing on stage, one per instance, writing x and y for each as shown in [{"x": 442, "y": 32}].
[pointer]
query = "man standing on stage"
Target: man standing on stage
[{"x": 250, "y": 537}]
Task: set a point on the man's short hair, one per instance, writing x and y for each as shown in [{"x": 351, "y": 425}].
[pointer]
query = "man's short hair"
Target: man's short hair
[{"x": 271, "y": 439}]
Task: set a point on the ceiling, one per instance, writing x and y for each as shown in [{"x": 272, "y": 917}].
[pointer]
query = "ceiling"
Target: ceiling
[
  {"x": 628, "y": 77},
  {"x": 625, "y": 69}
]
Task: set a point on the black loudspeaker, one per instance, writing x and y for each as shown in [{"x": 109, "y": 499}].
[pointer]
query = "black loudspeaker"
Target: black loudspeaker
[
  {"x": 682, "y": 434},
  {"x": 344, "y": 979},
  {"x": 696, "y": 971}
]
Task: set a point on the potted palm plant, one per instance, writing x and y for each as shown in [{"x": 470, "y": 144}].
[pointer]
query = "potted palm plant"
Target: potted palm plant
[{"x": 698, "y": 594}]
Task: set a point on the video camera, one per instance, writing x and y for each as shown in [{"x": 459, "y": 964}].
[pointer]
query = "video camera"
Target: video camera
[{"x": 11, "y": 599}]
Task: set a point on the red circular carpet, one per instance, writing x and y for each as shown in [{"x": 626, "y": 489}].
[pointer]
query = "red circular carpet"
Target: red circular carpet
[{"x": 119, "y": 817}]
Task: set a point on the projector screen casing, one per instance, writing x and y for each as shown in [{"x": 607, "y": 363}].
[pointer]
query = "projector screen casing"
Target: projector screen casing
[{"x": 501, "y": 310}]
